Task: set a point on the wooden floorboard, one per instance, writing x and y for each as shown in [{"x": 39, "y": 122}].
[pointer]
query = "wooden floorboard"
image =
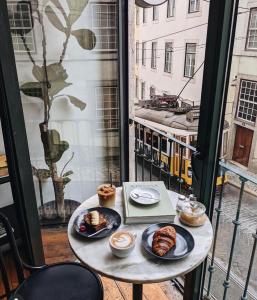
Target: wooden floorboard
[{"x": 57, "y": 249}]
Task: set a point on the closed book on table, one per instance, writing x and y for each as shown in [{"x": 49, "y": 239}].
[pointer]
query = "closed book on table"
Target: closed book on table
[{"x": 134, "y": 213}]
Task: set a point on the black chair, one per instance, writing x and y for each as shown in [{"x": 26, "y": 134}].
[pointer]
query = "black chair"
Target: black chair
[{"x": 62, "y": 281}]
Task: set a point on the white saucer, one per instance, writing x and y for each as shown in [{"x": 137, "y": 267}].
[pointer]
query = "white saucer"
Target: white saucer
[{"x": 145, "y": 195}]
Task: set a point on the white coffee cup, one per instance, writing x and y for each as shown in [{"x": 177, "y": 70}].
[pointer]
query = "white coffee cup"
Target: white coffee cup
[{"x": 122, "y": 243}]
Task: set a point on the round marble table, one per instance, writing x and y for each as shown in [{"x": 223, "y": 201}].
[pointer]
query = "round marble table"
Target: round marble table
[{"x": 139, "y": 267}]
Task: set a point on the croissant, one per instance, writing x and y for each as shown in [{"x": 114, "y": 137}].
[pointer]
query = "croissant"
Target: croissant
[{"x": 163, "y": 240}]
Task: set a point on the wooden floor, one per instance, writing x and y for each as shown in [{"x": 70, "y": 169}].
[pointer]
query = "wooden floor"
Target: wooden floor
[{"x": 57, "y": 249}]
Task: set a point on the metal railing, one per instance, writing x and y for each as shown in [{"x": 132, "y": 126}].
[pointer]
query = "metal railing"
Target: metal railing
[{"x": 157, "y": 169}]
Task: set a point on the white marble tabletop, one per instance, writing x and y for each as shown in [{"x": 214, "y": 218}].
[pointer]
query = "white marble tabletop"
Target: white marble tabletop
[{"x": 139, "y": 267}]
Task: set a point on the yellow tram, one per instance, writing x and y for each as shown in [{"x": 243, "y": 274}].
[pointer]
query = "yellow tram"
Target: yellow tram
[{"x": 172, "y": 164}]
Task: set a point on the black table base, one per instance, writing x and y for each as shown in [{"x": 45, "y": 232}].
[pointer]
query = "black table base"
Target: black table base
[{"x": 137, "y": 291}]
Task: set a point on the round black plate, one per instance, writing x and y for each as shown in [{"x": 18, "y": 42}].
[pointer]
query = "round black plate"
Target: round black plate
[
  {"x": 111, "y": 216},
  {"x": 184, "y": 242}
]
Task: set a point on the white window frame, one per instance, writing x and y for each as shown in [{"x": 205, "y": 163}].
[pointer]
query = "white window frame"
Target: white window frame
[
  {"x": 170, "y": 8},
  {"x": 109, "y": 28},
  {"x": 22, "y": 24},
  {"x": 144, "y": 54},
  {"x": 155, "y": 13},
  {"x": 154, "y": 55},
  {"x": 194, "y": 6},
  {"x": 252, "y": 30},
  {"x": 106, "y": 115},
  {"x": 247, "y": 101},
  {"x": 168, "y": 57},
  {"x": 190, "y": 60},
  {"x": 144, "y": 15},
  {"x": 143, "y": 90}
]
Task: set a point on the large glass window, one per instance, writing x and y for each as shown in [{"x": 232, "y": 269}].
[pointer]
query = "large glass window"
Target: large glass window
[
  {"x": 154, "y": 55},
  {"x": 20, "y": 20},
  {"x": 247, "y": 102},
  {"x": 168, "y": 57},
  {"x": 104, "y": 24},
  {"x": 194, "y": 6},
  {"x": 170, "y": 8},
  {"x": 252, "y": 30},
  {"x": 190, "y": 54}
]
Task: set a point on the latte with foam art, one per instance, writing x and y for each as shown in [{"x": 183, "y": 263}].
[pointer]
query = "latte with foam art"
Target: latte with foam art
[{"x": 122, "y": 239}]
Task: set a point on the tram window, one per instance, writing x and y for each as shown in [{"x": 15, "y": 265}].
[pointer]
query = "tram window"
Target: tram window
[
  {"x": 189, "y": 172},
  {"x": 148, "y": 138},
  {"x": 225, "y": 143},
  {"x": 164, "y": 145},
  {"x": 155, "y": 142}
]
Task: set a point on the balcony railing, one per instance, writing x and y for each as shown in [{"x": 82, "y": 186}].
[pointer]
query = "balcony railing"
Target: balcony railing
[{"x": 161, "y": 156}]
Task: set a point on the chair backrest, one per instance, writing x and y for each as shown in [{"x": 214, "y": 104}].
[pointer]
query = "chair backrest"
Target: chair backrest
[{"x": 10, "y": 239}]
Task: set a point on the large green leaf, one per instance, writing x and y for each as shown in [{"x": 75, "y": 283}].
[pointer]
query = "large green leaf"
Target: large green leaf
[
  {"x": 56, "y": 76},
  {"x": 76, "y": 102},
  {"x": 68, "y": 173},
  {"x": 85, "y": 37},
  {"x": 52, "y": 17},
  {"x": 76, "y": 8},
  {"x": 32, "y": 89},
  {"x": 53, "y": 146}
]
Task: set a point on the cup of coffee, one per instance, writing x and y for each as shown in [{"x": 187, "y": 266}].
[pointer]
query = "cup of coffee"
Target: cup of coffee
[
  {"x": 106, "y": 194},
  {"x": 122, "y": 243}
]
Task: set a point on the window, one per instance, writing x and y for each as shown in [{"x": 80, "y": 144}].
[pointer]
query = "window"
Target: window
[
  {"x": 168, "y": 57},
  {"x": 152, "y": 91},
  {"x": 144, "y": 53},
  {"x": 154, "y": 55},
  {"x": 170, "y": 8},
  {"x": 20, "y": 20},
  {"x": 137, "y": 15},
  {"x": 155, "y": 13},
  {"x": 247, "y": 102},
  {"x": 189, "y": 68},
  {"x": 104, "y": 26},
  {"x": 137, "y": 87},
  {"x": 252, "y": 30},
  {"x": 137, "y": 53},
  {"x": 194, "y": 6},
  {"x": 143, "y": 90},
  {"x": 107, "y": 108},
  {"x": 144, "y": 15}
]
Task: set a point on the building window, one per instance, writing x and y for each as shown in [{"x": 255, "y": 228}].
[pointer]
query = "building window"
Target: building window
[
  {"x": 107, "y": 108},
  {"x": 247, "y": 102},
  {"x": 252, "y": 30},
  {"x": 155, "y": 13},
  {"x": 137, "y": 16},
  {"x": 143, "y": 90},
  {"x": 104, "y": 26},
  {"x": 137, "y": 53},
  {"x": 194, "y": 6},
  {"x": 189, "y": 68},
  {"x": 170, "y": 8},
  {"x": 144, "y": 53},
  {"x": 168, "y": 57},
  {"x": 137, "y": 87},
  {"x": 144, "y": 15},
  {"x": 154, "y": 55},
  {"x": 21, "y": 26},
  {"x": 152, "y": 91}
]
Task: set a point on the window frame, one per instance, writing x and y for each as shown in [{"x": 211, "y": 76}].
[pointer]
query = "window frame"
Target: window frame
[
  {"x": 196, "y": 6},
  {"x": 137, "y": 15},
  {"x": 169, "y": 9},
  {"x": 189, "y": 53},
  {"x": 143, "y": 86},
  {"x": 144, "y": 54},
  {"x": 144, "y": 15},
  {"x": 137, "y": 52},
  {"x": 247, "y": 48},
  {"x": 166, "y": 70},
  {"x": 137, "y": 87},
  {"x": 155, "y": 13},
  {"x": 154, "y": 56}
]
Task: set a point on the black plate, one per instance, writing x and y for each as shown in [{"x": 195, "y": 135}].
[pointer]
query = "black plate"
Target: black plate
[
  {"x": 184, "y": 242},
  {"x": 111, "y": 216}
]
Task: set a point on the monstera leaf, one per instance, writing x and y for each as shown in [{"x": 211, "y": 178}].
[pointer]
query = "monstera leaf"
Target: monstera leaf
[
  {"x": 32, "y": 89},
  {"x": 85, "y": 37},
  {"x": 53, "y": 146},
  {"x": 56, "y": 76},
  {"x": 76, "y": 102},
  {"x": 76, "y": 8},
  {"x": 52, "y": 17}
]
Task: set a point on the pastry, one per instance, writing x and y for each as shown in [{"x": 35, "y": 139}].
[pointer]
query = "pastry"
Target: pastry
[
  {"x": 95, "y": 220},
  {"x": 106, "y": 194},
  {"x": 163, "y": 240}
]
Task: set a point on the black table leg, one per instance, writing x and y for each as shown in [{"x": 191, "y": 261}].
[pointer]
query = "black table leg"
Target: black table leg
[{"x": 137, "y": 291}]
